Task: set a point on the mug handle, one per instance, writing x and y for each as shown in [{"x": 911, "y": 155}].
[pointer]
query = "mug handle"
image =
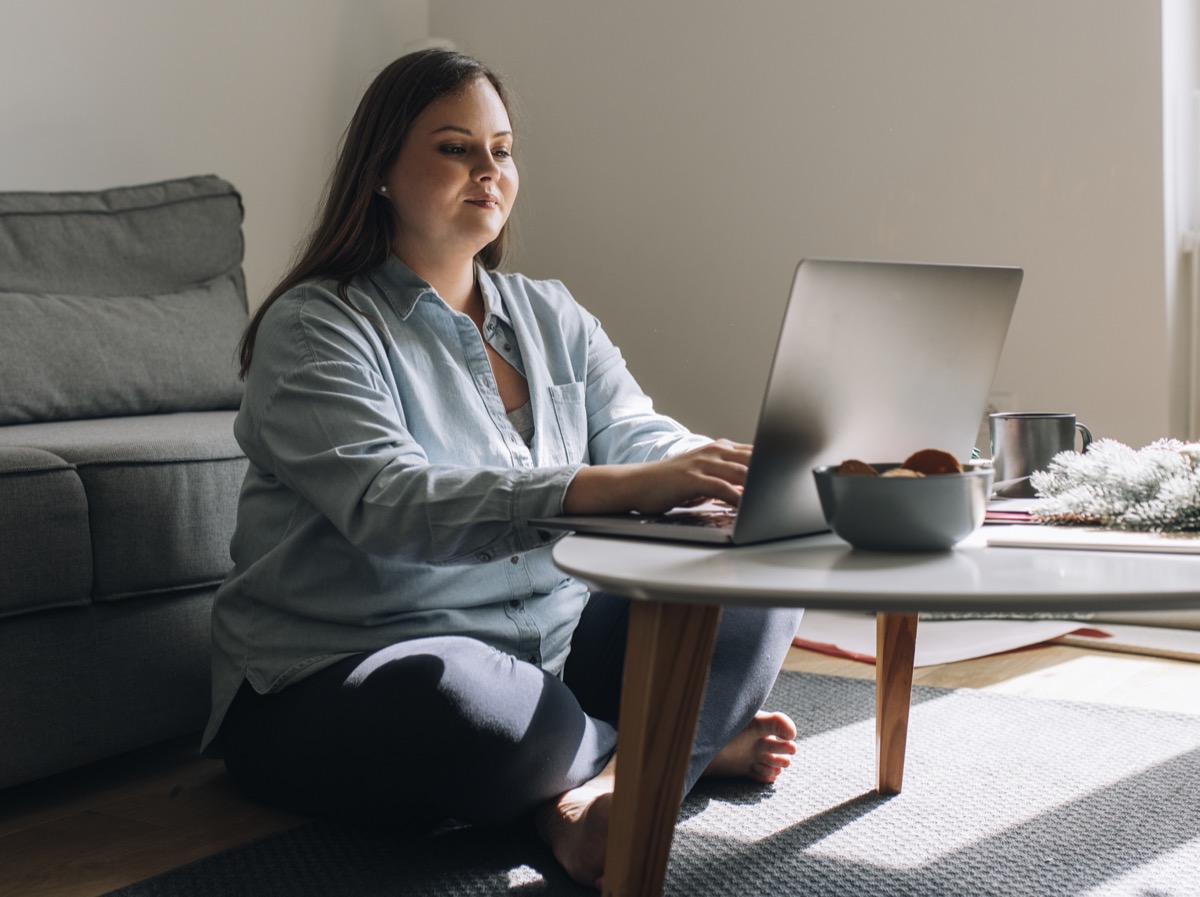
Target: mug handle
[{"x": 1086, "y": 435}]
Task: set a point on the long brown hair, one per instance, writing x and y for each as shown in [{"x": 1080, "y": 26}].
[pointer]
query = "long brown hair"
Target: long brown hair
[{"x": 355, "y": 228}]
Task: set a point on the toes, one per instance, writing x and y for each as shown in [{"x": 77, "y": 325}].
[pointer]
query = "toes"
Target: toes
[
  {"x": 778, "y": 746},
  {"x": 775, "y": 725},
  {"x": 760, "y": 752},
  {"x": 774, "y": 761},
  {"x": 782, "y": 726}
]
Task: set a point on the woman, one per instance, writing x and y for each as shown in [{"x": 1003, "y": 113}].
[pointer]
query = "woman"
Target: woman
[{"x": 394, "y": 640}]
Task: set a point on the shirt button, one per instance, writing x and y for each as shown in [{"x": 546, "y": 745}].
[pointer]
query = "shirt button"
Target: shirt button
[
  {"x": 515, "y": 559},
  {"x": 514, "y": 604},
  {"x": 484, "y": 556},
  {"x": 544, "y": 535}
]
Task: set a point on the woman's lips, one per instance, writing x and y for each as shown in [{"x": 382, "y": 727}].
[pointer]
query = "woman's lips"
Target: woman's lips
[{"x": 486, "y": 201}]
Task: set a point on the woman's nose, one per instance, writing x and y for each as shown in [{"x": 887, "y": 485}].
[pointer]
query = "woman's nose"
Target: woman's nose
[{"x": 486, "y": 168}]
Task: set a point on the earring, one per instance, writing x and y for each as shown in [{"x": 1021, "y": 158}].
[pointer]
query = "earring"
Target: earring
[{"x": 383, "y": 189}]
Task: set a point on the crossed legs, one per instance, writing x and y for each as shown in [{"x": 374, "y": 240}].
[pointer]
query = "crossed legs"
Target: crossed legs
[{"x": 449, "y": 727}]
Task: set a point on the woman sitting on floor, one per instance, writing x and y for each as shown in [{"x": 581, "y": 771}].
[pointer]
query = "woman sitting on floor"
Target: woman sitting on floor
[{"x": 394, "y": 640}]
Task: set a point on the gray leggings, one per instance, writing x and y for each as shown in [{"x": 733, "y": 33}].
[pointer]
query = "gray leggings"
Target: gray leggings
[{"x": 449, "y": 727}]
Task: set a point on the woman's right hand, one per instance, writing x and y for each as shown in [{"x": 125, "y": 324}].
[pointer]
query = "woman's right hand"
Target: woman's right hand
[{"x": 713, "y": 471}]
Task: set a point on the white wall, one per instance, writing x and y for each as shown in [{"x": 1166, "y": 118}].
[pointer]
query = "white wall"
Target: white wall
[
  {"x": 100, "y": 94},
  {"x": 679, "y": 156}
]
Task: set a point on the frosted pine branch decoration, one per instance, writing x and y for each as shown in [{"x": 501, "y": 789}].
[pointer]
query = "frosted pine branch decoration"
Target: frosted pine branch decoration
[{"x": 1156, "y": 488}]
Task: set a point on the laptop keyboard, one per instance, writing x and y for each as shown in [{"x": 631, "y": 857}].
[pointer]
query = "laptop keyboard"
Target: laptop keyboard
[{"x": 715, "y": 519}]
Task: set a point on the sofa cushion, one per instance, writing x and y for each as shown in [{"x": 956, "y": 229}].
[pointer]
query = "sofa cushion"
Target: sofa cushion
[
  {"x": 161, "y": 493},
  {"x": 118, "y": 302},
  {"x": 46, "y": 553},
  {"x": 119, "y": 355}
]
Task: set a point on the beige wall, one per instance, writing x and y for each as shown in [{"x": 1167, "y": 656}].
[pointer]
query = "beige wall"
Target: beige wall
[
  {"x": 98, "y": 94},
  {"x": 679, "y": 156}
]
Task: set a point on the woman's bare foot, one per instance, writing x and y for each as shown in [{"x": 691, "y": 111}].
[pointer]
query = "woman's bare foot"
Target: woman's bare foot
[
  {"x": 760, "y": 752},
  {"x": 576, "y": 827}
]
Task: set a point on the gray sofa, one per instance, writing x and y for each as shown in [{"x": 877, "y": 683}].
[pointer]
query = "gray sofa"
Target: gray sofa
[{"x": 120, "y": 312}]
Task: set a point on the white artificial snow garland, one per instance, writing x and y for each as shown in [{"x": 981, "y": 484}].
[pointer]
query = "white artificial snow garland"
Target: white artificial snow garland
[{"x": 1156, "y": 488}]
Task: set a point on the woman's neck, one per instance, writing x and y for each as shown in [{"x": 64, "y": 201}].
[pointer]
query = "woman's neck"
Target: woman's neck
[
  {"x": 453, "y": 280},
  {"x": 457, "y": 288}
]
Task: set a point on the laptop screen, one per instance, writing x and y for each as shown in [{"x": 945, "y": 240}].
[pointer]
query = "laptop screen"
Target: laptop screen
[{"x": 875, "y": 360}]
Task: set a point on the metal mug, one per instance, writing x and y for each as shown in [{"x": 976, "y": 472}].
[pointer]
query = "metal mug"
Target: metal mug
[{"x": 1025, "y": 441}]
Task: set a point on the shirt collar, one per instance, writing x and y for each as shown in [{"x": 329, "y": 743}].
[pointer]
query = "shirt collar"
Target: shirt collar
[
  {"x": 493, "y": 304},
  {"x": 398, "y": 285},
  {"x": 402, "y": 288}
]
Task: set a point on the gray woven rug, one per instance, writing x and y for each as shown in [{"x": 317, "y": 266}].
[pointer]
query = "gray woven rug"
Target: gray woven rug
[{"x": 1003, "y": 796}]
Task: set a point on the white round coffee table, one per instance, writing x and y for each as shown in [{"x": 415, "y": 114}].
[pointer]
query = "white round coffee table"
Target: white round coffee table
[{"x": 679, "y": 590}]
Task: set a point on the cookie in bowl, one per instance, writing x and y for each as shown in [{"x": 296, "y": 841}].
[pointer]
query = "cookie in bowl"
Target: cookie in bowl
[{"x": 928, "y": 502}]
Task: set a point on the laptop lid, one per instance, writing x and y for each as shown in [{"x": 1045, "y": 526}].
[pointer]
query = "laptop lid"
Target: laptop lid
[{"x": 875, "y": 360}]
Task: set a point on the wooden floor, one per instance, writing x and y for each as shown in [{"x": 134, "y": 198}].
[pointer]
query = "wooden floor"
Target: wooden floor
[{"x": 85, "y": 833}]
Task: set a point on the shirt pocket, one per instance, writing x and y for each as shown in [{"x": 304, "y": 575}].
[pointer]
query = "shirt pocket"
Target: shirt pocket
[{"x": 570, "y": 416}]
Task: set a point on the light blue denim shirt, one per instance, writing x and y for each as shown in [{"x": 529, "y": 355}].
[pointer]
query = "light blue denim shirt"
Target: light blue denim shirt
[{"x": 388, "y": 494}]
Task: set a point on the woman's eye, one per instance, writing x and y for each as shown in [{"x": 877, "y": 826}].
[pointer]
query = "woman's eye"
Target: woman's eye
[
  {"x": 451, "y": 150},
  {"x": 502, "y": 153}
]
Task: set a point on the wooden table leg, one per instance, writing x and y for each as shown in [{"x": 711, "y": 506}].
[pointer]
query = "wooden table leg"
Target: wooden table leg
[
  {"x": 667, "y": 660},
  {"x": 895, "y": 645}
]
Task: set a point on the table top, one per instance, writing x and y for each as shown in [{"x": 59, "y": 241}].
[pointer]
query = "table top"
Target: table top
[{"x": 823, "y": 571}]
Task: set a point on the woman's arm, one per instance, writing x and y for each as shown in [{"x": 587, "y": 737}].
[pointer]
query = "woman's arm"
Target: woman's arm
[{"x": 713, "y": 471}]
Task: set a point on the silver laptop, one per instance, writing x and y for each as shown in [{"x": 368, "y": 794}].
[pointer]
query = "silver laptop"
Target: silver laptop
[{"x": 875, "y": 361}]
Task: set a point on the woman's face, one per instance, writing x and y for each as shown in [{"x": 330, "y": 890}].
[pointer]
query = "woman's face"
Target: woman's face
[{"x": 453, "y": 184}]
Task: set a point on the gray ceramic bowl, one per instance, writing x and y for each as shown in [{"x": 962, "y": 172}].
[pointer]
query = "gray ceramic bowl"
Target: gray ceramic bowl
[{"x": 930, "y": 513}]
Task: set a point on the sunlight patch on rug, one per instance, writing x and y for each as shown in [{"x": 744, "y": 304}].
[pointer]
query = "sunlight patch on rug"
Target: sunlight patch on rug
[
  {"x": 523, "y": 876},
  {"x": 1017, "y": 775}
]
